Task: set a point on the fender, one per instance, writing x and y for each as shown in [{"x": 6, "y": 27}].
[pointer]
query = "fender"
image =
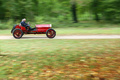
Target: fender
[{"x": 13, "y": 28}]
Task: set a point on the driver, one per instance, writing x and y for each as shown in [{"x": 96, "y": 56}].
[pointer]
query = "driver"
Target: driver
[{"x": 25, "y": 24}]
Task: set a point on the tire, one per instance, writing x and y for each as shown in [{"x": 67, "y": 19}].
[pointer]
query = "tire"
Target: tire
[
  {"x": 17, "y": 33},
  {"x": 50, "y": 33}
]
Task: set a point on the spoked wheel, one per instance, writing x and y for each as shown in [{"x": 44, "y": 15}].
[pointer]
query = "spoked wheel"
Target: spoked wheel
[
  {"x": 17, "y": 33},
  {"x": 51, "y": 33}
]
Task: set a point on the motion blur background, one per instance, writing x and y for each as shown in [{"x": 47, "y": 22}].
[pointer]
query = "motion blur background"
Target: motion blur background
[
  {"x": 65, "y": 59},
  {"x": 60, "y": 13}
]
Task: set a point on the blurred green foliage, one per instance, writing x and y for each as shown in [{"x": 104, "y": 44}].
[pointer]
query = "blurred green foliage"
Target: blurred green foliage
[{"x": 57, "y": 12}]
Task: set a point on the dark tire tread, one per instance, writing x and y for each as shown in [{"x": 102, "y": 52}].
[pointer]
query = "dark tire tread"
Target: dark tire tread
[
  {"x": 18, "y": 37},
  {"x": 47, "y": 33}
]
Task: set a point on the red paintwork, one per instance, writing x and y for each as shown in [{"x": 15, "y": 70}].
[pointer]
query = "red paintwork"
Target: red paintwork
[
  {"x": 43, "y": 27},
  {"x": 40, "y": 29}
]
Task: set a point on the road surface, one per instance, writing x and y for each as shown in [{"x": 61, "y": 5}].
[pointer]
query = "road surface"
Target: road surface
[{"x": 67, "y": 37}]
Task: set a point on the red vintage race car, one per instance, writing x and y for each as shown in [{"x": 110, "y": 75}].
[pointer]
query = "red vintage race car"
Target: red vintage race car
[{"x": 18, "y": 31}]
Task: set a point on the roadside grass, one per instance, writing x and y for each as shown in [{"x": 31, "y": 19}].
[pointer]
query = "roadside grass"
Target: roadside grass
[
  {"x": 78, "y": 31},
  {"x": 60, "y": 59},
  {"x": 87, "y": 31}
]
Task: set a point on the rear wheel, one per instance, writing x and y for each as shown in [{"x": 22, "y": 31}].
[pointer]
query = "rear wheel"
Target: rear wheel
[
  {"x": 17, "y": 33},
  {"x": 51, "y": 33}
]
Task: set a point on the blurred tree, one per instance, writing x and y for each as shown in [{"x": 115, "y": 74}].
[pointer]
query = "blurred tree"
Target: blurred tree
[
  {"x": 35, "y": 6},
  {"x": 18, "y": 9},
  {"x": 60, "y": 10},
  {"x": 95, "y": 7},
  {"x": 74, "y": 11},
  {"x": 2, "y": 13},
  {"x": 111, "y": 10}
]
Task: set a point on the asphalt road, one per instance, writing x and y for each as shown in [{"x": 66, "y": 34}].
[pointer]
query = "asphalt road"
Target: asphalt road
[{"x": 67, "y": 37}]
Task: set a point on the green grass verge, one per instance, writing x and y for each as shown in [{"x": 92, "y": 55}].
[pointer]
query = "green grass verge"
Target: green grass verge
[
  {"x": 47, "y": 59},
  {"x": 77, "y": 31}
]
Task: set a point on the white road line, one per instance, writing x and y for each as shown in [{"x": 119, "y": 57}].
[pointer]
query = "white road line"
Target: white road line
[{"x": 67, "y": 37}]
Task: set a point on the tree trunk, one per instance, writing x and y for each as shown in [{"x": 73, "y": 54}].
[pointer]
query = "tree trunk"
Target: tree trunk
[
  {"x": 97, "y": 17},
  {"x": 95, "y": 6},
  {"x": 74, "y": 14}
]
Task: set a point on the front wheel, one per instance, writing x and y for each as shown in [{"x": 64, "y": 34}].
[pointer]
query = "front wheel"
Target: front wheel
[
  {"x": 51, "y": 33},
  {"x": 17, "y": 33}
]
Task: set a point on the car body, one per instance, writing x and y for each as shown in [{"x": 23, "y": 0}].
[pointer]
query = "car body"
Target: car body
[{"x": 18, "y": 31}]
